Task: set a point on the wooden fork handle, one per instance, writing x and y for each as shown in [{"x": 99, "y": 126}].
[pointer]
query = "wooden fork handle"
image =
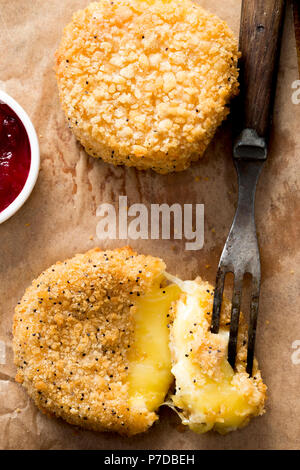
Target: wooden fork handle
[{"x": 260, "y": 37}]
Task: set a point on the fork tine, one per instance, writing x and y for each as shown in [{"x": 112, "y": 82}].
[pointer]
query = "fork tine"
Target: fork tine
[
  {"x": 234, "y": 321},
  {"x": 252, "y": 327},
  {"x": 218, "y": 296}
]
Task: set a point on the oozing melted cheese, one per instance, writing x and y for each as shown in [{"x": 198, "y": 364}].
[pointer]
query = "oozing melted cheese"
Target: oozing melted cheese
[
  {"x": 209, "y": 394},
  {"x": 207, "y": 398},
  {"x": 149, "y": 359}
]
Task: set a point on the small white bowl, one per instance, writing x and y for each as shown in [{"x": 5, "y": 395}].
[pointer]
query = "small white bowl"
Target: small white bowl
[{"x": 34, "y": 162}]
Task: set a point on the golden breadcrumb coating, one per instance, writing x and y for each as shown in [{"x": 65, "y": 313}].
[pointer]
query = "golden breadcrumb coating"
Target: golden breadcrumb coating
[
  {"x": 72, "y": 331},
  {"x": 146, "y": 83},
  {"x": 200, "y": 365},
  {"x": 82, "y": 345}
]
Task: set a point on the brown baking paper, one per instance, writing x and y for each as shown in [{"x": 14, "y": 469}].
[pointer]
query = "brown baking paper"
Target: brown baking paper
[{"x": 59, "y": 220}]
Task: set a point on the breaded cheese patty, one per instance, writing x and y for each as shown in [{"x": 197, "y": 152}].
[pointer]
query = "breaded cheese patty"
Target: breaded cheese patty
[
  {"x": 82, "y": 342},
  {"x": 99, "y": 339},
  {"x": 209, "y": 393},
  {"x": 145, "y": 83}
]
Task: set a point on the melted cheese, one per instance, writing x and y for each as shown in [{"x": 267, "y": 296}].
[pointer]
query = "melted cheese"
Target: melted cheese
[
  {"x": 149, "y": 359},
  {"x": 207, "y": 397}
]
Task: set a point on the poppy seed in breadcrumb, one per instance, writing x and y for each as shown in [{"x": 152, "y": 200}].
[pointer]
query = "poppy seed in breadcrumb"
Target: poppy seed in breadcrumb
[{"x": 59, "y": 351}]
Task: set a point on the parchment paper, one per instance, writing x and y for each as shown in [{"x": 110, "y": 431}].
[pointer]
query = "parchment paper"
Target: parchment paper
[{"x": 60, "y": 220}]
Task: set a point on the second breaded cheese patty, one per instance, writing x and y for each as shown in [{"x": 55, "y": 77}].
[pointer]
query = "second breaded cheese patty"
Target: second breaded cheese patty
[
  {"x": 99, "y": 338},
  {"x": 145, "y": 83},
  {"x": 77, "y": 341}
]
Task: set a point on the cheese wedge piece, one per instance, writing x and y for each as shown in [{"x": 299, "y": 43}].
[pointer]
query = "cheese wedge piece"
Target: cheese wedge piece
[{"x": 209, "y": 393}]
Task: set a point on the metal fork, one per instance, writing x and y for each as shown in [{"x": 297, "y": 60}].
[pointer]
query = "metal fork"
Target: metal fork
[{"x": 260, "y": 34}]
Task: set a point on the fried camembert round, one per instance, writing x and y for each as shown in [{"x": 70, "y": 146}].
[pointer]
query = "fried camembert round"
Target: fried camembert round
[
  {"x": 146, "y": 83},
  {"x": 209, "y": 393},
  {"x": 99, "y": 339},
  {"x": 91, "y": 340}
]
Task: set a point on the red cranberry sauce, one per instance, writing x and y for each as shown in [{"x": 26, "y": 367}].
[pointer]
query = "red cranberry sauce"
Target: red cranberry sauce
[{"x": 15, "y": 156}]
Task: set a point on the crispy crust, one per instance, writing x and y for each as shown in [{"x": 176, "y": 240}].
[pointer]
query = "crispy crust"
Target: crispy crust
[
  {"x": 208, "y": 351},
  {"x": 72, "y": 330},
  {"x": 145, "y": 83}
]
